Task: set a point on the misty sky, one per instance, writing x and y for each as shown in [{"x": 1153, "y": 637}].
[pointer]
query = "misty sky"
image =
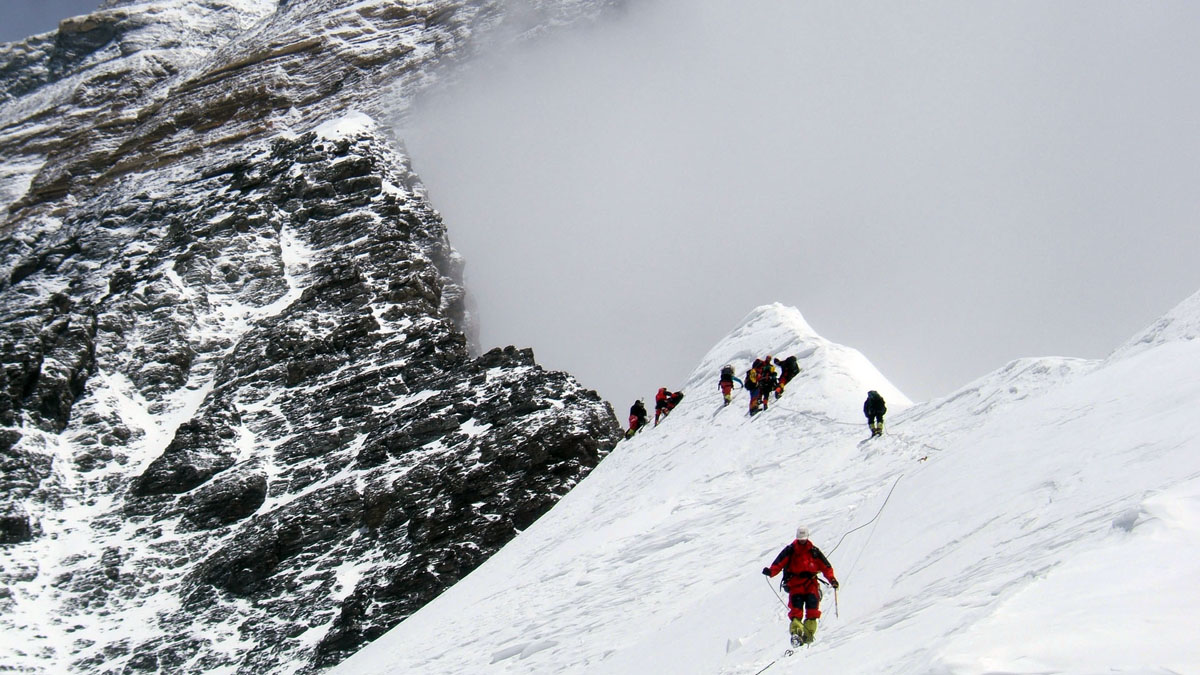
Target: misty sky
[
  {"x": 22, "y": 18},
  {"x": 945, "y": 186}
]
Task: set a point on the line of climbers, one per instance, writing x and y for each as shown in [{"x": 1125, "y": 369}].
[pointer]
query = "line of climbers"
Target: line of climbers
[
  {"x": 664, "y": 402},
  {"x": 800, "y": 561},
  {"x": 761, "y": 380}
]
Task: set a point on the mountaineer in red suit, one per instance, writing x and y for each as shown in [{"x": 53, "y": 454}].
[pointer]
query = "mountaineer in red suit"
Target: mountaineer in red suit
[{"x": 800, "y": 562}]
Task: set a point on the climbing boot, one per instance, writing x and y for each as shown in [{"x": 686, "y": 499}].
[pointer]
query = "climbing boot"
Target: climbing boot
[
  {"x": 810, "y": 630},
  {"x": 797, "y": 630}
]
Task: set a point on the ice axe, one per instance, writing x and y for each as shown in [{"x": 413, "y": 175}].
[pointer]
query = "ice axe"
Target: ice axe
[{"x": 835, "y": 590}]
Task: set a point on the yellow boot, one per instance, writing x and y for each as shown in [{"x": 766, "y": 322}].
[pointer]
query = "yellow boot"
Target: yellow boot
[
  {"x": 810, "y": 630},
  {"x": 796, "y": 628}
]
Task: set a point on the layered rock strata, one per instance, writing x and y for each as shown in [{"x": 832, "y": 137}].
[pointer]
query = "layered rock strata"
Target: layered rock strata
[{"x": 241, "y": 426}]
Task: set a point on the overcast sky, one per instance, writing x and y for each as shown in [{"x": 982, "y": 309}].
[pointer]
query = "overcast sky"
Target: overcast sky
[
  {"x": 22, "y": 18},
  {"x": 945, "y": 186}
]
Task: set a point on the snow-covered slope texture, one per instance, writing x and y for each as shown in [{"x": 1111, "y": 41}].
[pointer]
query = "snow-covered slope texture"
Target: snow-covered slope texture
[
  {"x": 241, "y": 428},
  {"x": 1046, "y": 519}
]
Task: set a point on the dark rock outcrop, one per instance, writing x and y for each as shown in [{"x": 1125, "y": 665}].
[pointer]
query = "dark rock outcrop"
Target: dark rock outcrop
[
  {"x": 15, "y": 526},
  {"x": 241, "y": 425}
]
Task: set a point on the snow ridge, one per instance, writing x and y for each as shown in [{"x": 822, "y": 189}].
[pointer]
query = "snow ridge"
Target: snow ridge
[
  {"x": 1180, "y": 324},
  {"x": 1016, "y": 538},
  {"x": 831, "y": 378}
]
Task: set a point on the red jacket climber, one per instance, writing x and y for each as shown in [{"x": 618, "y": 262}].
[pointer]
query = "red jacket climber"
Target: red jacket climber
[
  {"x": 800, "y": 562},
  {"x": 661, "y": 404}
]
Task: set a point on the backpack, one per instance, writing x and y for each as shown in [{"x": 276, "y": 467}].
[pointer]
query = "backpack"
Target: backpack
[
  {"x": 767, "y": 378},
  {"x": 875, "y": 403},
  {"x": 727, "y": 374}
]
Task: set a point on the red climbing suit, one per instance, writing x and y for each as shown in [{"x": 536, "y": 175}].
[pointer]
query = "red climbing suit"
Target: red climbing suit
[{"x": 800, "y": 562}]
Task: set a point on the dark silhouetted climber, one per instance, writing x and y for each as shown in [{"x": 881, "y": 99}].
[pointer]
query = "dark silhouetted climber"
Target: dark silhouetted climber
[
  {"x": 673, "y": 400},
  {"x": 788, "y": 368},
  {"x": 637, "y": 418},
  {"x": 751, "y": 384},
  {"x": 726, "y": 383},
  {"x": 767, "y": 380},
  {"x": 800, "y": 561},
  {"x": 874, "y": 408}
]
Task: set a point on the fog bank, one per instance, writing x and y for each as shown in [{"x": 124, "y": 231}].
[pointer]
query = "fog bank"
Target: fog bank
[{"x": 945, "y": 186}]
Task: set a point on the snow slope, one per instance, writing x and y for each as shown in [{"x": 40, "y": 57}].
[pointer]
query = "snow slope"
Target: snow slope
[{"x": 1044, "y": 519}]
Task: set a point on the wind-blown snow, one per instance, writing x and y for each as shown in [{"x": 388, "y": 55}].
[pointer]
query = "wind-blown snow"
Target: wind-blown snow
[{"x": 1046, "y": 518}]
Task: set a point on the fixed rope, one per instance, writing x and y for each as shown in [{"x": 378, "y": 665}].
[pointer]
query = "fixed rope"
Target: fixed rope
[
  {"x": 885, "y": 501},
  {"x": 772, "y": 587},
  {"x": 854, "y": 565},
  {"x": 874, "y": 518},
  {"x": 785, "y": 605}
]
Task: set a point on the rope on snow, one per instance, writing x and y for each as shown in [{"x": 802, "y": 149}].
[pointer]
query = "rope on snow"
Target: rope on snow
[
  {"x": 885, "y": 501},
  {"x": 772, "y": 587}
]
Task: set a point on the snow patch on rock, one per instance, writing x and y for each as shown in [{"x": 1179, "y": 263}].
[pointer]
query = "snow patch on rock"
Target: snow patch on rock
[{"x": 348, "y": 126}]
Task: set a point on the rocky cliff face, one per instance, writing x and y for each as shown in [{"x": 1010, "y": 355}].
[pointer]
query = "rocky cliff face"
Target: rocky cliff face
[{"x": 241, "y": 427}]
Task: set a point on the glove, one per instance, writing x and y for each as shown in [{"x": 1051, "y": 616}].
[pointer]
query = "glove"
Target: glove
[
  {"x": 767, "y": 571},
  {"x": 834, "y": 583}
]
